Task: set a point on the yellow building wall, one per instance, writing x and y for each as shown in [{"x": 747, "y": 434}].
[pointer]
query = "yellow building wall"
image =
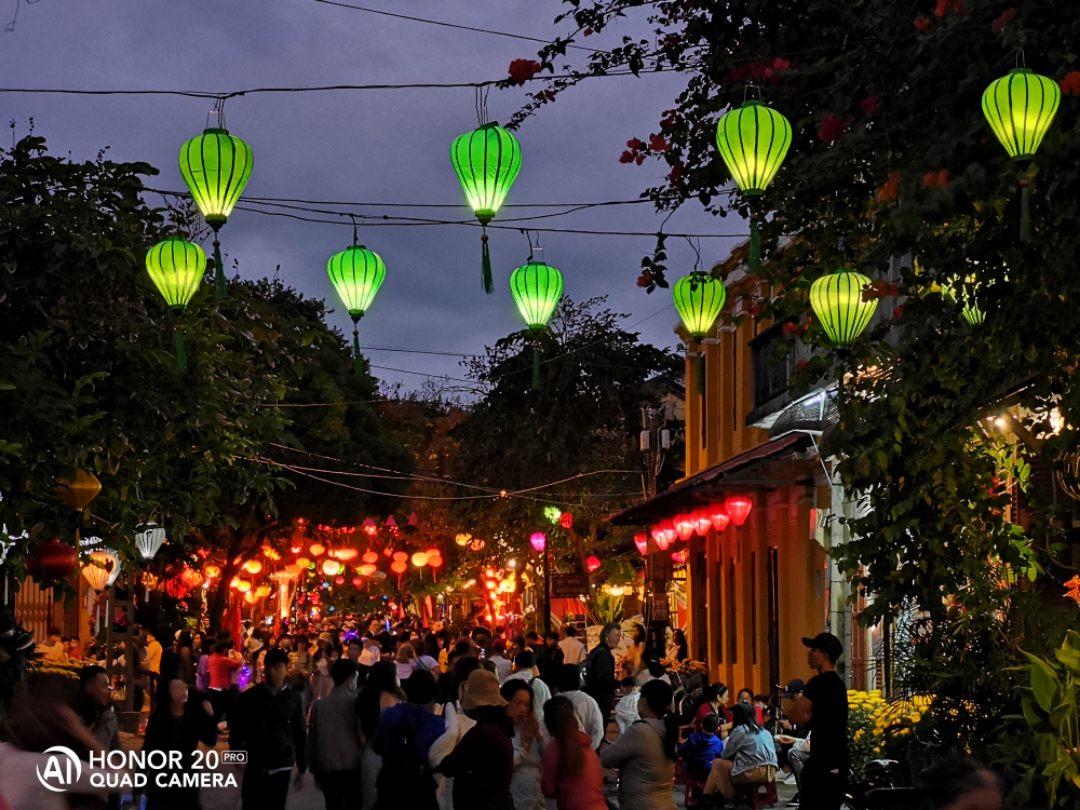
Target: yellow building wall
[{"x": 781, "y": 519}]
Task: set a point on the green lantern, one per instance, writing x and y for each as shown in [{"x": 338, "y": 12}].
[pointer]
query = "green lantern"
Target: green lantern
[
  {"x": 216, "y": 166},
  {"x": 837, "y": 300},
  {"x": 356, "y": 274},
  {"x": 176, "y": 267},
  {"x": 971, "y": 311},
  {"x": 753, "y": 141},
  {"x": 699, "y": 298},
  {"x": 1020, "y": 108},
  {"x": 537, "y": 288},
  {"x": 487, "y": 161}
]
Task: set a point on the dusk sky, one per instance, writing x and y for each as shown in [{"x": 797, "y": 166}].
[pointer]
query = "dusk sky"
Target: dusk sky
[{"x": 366, "y": 146}]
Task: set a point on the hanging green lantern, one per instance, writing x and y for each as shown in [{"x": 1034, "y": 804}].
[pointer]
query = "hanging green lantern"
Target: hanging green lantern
[
  {"x": 837, "y": 300},
  {"x": 216, "y": 166},
  {"x": 753, "y": 141},
  {"x": 176, "y": 267},
  {"x": 1020, "y": 108},
  {"x": 971, "y": 312},
  {"x": 487, "y": 161},
  {"x": 699, "y": 298},
  {"x": 356, "y": 274},
  {"x": 537, "y": 288}
]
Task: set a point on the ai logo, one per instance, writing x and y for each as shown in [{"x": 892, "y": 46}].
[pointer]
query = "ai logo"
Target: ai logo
[{"x": 63, "y": 770}]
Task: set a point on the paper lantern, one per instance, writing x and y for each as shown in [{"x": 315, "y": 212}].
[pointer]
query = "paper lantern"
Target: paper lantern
[
  {"x": 262, "y": 591},
  {"x": 339, "y": 580},
  {"x": 1020, "y": 108},
  {"x": 685, "y": 527},
  {"x": 433, "y": 552},
  {"x": 149, "y": 541},
  {"x": 566, "y": 520},
  {"x": 678, "y": 557},
  {"x": 753, "y": 141},
  {"x": 391, "y": 524},
  {"x": 212, "y": 571},
  {"x": 738, "y": 509},
  {"x": 719, "y": 517},
  {"x": 253, "y": 566},
  {"x": 345, "y": 554},
  {"x": 538, "y": 540},
  {"x": 399, "y": 568},
  {"x": 51, "y": 561},
  {"x": 243, "y": 585},
  {"x": 641, "y": 540},
  {"x": 357, "y": 582},
  {"x": 176, "y": 267},
  {"x": 463, "y": 539},
  {"x": 537, "y": 288},
  {"x": 96, "y": 571},
  {"x": 400, "y": 556},
  {"x": 434, "y": 562},
  {"x": 317, "y": 549},
  {"x": 367, "y": 569},
  {"x": 370, "y": 557},
  {"x": 487, "y": 161},
  {"x": 78, "y": 494},
  {"x": 250, "y": 598},
  {"x": 553, "y": 513},
  {"x": 331, "y": 568},
  {"x": 356, "y": 274},
  {"x": 369, "y": 527},
  {"x": 216, "y": 166},
  {"x": 419, "y": 559},
  {"x": 837, "y": 300},
  {"x": 702, "y": 521},
  {"x": 303, "y": 563},
  {"x": 699, "y": 298},
  {"x": 414, "y": 519},
  {"x": 592, "y": 564}
]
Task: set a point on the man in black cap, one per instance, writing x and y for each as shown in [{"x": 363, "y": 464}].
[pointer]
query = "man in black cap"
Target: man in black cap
[{"x": 823, "y": 707}]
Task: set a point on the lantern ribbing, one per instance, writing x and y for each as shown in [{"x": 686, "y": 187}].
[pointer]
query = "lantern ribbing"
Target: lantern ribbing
[
  {"x": 537, "y": 288},
  {"x": 176, "y": 267},
  {"x": 699, "y": 298},
  {"x": 837, "y": 300},
  {"x": 357, "y": 274}
]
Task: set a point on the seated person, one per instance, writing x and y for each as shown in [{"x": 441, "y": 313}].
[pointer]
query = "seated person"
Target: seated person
[
  {"x": 702, "y": 748},
  {"x": 626, "y": 713},
  {"x": 749, "y": 756}
]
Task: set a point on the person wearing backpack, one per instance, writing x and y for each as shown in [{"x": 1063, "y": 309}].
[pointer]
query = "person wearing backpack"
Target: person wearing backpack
[
  {"x": 334, "y": 738},
  {"x": 601, "y": 680}
]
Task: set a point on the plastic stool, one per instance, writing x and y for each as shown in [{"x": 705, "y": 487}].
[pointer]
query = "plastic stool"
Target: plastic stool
[
  {"x": 689, "y": 799},
  {"x": 755, "y": 796}
]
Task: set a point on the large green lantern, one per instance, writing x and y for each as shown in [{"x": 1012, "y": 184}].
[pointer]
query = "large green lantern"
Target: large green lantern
[
  {"x": 356, "y": 274},
  {"x": 176, "y": 267},
  {"x": 753, "y": 140},
  {"x": 487, "y": 161},
  {"x": 699, "y": 298},
  {"x": 216, "y": 166},
  {"x": 837, "y": 300},
  {"x": 1020, "y": 108},
  {"x": 537, "y": 288}
]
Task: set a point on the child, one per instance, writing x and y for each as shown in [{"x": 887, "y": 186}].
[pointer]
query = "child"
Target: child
[
  {"x": 626, "y": 713},
  {"x": 699, "y": 751}
]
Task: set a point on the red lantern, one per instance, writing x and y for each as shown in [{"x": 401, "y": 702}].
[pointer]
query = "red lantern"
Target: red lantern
[
  {"x": 566, "y": 520},
  {"x": 592, "y": 564},
  {"x": 538, "y": 540},
  {"x": 641, "y": 540},
  {"x": 435, "y": 561},
  {"x": 191, "y": 577},
  {"x": 685, "y": 527},
  {"x": 667, "y": 527},
  {"x": 738, "y": 509},
  {"x": 357, "y": 582},
  {"x": 339, "y": 580},
  {"x": 370, "y": 528},
  {"x": 678, "y": 557},
  {"x": 399, "y": 568},
  {"x": 51, "y": 561},
  {"x": 702, "y": 521},
  {"x": 719, "y": 517}
]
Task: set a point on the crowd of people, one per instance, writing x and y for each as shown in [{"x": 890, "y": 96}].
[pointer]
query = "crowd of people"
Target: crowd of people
[{"x": 388, "y": 716}]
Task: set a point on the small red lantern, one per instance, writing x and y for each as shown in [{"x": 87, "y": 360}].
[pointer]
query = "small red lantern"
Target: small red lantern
[
  {"x": 685, "y": 527},
  {"x": 702, "y": 521},
  {"x": 435, "y": 561},
  {"x": 51, "y": 561},
  {"x": 678, "y": 557},
  {"x": 738, "y": 509},
  {"x": 566, "y": 520},
  {"x": 339, "y": 580},
  {"x": 719, "y": 517},
  {"x": 370, "y": 528},
  {"x": 357, "y": 582},
  {"x": 667, "y": 526},
  {"x": 317, "y": 549},
  {"x": 592, "y": 564},
  {"x": 641, "y": 540}
]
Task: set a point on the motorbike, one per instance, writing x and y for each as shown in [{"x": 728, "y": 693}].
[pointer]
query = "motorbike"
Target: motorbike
[{"x": 879, "y": 789}]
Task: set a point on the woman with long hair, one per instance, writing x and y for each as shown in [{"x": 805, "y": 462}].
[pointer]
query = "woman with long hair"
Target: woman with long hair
[
  {"x": 380, "y": 693},
  {"x": 406, "y": 661},
  {"x": 645, "y": 754},
  {"x": 749, "y": 756},
  {"x": 528, "y": 745},
  {"x": 747, "y": 696},
  {"x": 571, "y": 774},
  {"x": 177, "y": 725}
]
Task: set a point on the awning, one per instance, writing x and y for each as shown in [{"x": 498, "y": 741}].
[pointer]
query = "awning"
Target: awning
[{"x": 774, "y": 464}]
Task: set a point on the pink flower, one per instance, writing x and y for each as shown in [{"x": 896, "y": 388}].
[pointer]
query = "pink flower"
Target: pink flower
[
  {"x": 832, "y": 128},
  {"x": 521, "y": 70},
  {"x": 657, "y": 143},
  {"x": 1006, "y": 17},
  {"x": 869, "y": 104},
  {"x": 1070, "y": 85}
]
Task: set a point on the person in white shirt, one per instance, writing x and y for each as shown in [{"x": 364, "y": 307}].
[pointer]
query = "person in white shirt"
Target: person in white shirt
[
  {"x": 372, "y": 653},
  {"x": 502, "y": 664},
  {"x": 573, "y": 650},
  {"x": 626, "y": 713},
  {"x": 525, "y": 669},
  {"x": 586, "y": 710}
]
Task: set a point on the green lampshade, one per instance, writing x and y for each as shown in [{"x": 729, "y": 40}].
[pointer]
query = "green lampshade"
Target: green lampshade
[
  {"x": 487, "y": 162},
  {"x": 176, "y": 267},
  {"x": 971, "y": 311},
  {"x": 837, "y": 300},
  {"x": 216, "y": 167},
  {"x": 356, "y": 274},
  {"x": 753, "y": 140},
  {"x": 537, "y": 288},
  {"x": 699, "y": 298},
  {"x": 1020, "y": 108}
]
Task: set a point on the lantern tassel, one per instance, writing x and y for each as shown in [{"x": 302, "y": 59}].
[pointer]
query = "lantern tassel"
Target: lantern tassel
[
  {"x": 356, "y": 346},
  {"x": 181, "y": 352},
  {"x": 220, "y": 290},
  {"x": 485, "y": 264},
  {"x": 701, "y": 371},
  {"x": 754, "y": 262},
  {"x": 536, "y": 369},
  {"x": 1025, "y": 211}
]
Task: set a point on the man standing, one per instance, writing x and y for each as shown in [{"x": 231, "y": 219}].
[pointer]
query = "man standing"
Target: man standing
[
  {"x": 523, "y": 669},
  {"x": 600, "y": 678},
  {"x": 333, "y": 751},
  {"x": 823, "y": 707},
  {"x": 270, "y": 727},
  {"x": 573, "y": 650},
  {"x": 550, "y": 658},
  {"x": 590, "y": 718},
  {"x": 95, "y": 707}
]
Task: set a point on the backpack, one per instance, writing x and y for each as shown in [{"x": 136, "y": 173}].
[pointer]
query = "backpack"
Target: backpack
[{"x": 405, "y": 780}]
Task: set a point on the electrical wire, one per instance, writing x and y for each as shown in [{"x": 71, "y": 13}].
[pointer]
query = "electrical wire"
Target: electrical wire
[{"x": 450, "y": 25}]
